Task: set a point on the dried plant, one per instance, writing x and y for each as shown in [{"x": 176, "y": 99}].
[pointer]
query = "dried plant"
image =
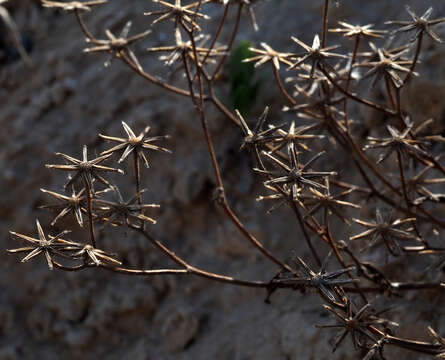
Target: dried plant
[{"x": 329, "y": 94}]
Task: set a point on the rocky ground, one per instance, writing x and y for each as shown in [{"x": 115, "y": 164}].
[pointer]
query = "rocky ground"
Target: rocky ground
[{"x": 64, "y": 101}]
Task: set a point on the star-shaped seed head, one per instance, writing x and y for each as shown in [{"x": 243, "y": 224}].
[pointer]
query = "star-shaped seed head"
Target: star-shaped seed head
[
  {"x": 49, "y": 247},
  {"x": 419, "y": 24},
  {"x": 72, "y": 5},
  {"x": 118, "y": 46},
  {"x": 330, "y": 203},
  {"x": 257, "y": 135},
  {"x": 86, "y": 170},
  {"x": 182, "y": 15},
  {"x": 317, "y": 55},
  {"x": 67, "y": 204},
  {"x": 399, "y": 141},
  {"x": 138, "y": 144},
  {"x": 386, "y": 230},
  {"x": 94, "y": 256},
  {"x": 121, "y": 212},
  {"x": 269, "y": 54},
  {"x": 324, "y": 281},
  {"x": 352, "y": 322},
  {"x": 388, "y": 65},
  {"x": 296, "y": 176},
  {"x": 349, "y": 30}
]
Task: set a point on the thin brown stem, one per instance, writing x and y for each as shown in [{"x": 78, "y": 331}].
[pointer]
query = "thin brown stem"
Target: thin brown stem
[
  {"x": 416, "y": 57},
  {"x": 231, "y": 40},
  {"x": 281, "y": 87},
  {"x": 348, "y": 80},
  {"x": 324, "y": 29},
  {"x": 217, "y": 32},
  {"x": 82, "y": 25},
  {"x": 355, "y": 97},
  {"x": 143, "y": 272},
  {"x": 89, "y": 211},
  {"x": 305, "y": 233},
  {"x": 219, "y": 105},
  {"x": 399, "y": 286},
  {"x": 402, "y": 179},
  {"x": 195, "y": 270},
  {"x": 153, "y": 79},
  {"x": 388, "y": 85},
  {"x": 137, "y": 176},
  {"x": 338, "y": 255}
]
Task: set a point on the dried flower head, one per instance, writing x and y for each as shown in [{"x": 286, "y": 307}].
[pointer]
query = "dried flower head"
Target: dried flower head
[
  {"x": 91, "y": 255},
  {"x": 329, "y": 203},
  {"x": 258, "y": 135},
  {"x": 296, "y": 176},
  {"x": 121, "y": 212},
  {"x": 315, "y": 54},
  {"x": 139, "y": 144},
  {"x": 295, "y": 135},
  {"x": 49, "y": 247},
  {"x": 67, "y": 204},
  {"x": 349, "y": 30},
  {"x": 419, "y": 24},
  {"x": 183, "y": 15},
  {"x": 352, "y": 321},
  {"x": 386, "y": 230},
  {"x": 86, "y": 170},
  {"x": 388, "y": 65},
  {"x": 186, "y": 48},
  {"x": 399, "y": 141},
  {"x": 118, "y": 46},
  {"x": 269, "y": 54},
  {"x": 72, "y": 5},
  {"x": 326, "y": 283},
  {"x": 417, "y": 185}
]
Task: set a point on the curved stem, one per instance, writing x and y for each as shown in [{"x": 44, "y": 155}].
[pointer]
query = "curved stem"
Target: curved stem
[
  {"x": 231, "y": 40},
  {"x": 152, "y": 79},
  {"x": 355, "y": 97},
  {"x": 217, "y": 32},
  {"x": 194, "y": 270},
  {"x": 281, "y": 87},
  {"x": 82, "y": 25}
]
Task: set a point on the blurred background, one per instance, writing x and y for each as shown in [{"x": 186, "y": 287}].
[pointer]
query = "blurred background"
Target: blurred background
[{"x": 67, "y": 97}]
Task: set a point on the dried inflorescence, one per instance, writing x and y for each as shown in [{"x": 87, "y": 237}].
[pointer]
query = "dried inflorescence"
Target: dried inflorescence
[{"x": 295, "y": 158}]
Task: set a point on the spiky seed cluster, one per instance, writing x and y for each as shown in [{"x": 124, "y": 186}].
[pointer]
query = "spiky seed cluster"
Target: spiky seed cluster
[
  {"x": 118, "y": 46},
  {"x": 85, "y": 200},
  {"x": 419, "y": 24},
  {"x": 387, "y": 231},
  {"x": 183, "y": 15},
  {"x": 73, "y": 5},
  {"x": 138, "y": 144}
]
